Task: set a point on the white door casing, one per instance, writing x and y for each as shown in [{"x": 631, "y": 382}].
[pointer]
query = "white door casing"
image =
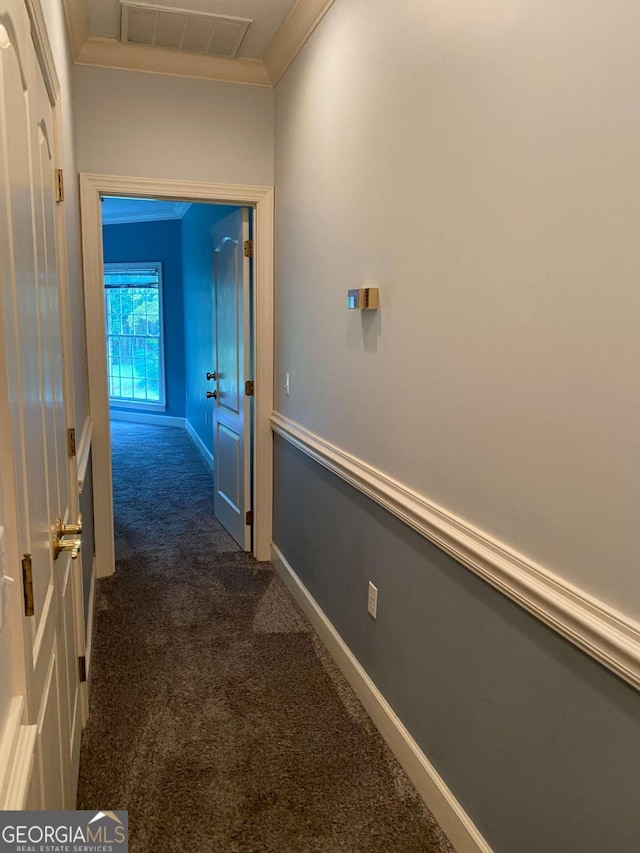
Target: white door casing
[
  {"x": 232, "y": 406},
  {"x": 92, "y": 187},
  {"x": 37, "y": 483}
]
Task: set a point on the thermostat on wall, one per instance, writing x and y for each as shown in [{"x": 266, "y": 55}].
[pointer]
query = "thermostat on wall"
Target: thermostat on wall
[{"x": 364, "y": 298}]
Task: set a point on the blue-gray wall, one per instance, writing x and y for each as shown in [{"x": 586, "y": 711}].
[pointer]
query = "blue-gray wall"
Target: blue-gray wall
[
  {"x": 158, "y": 241},
  {"x": 539, "y": 743}
]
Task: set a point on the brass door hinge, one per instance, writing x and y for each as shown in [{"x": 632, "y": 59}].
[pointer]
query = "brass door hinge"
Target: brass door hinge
[
  {"x": 71, "y": 442},
  {"x": 27, "y": 584},
  {"x": 59, "y": 185},
  {"x": 248, "y": 248},
  {"x": 248, "y": 519},
  {"x": 249, "y": 388},
  {"x": 82, "y": 668}
]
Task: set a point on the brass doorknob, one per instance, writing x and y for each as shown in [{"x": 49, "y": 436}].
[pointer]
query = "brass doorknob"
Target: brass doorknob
[
  {"x": 213, "y": 375},
  {"x": 212, "y": 395},
  {"x": 70, "y": 529},
  {"x": 61, "y": 543}
]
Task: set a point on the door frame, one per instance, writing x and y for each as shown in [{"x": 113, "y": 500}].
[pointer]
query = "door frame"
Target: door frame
[{"x": 261, "y": 199}]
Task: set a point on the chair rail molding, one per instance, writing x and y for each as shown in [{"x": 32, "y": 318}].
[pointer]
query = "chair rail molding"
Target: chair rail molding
[{"x": 589, "y": 623}]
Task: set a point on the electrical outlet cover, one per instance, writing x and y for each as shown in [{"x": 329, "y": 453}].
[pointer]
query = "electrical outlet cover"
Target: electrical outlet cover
[{"x": 372, "y": 600}]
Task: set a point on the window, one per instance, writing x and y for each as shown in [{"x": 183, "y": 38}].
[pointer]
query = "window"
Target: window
[{"x": 135, "y": 350}]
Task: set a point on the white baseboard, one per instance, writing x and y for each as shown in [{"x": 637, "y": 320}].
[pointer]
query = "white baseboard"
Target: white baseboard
[
  {"x": 453, "y": 819},
  {"x": 593, "y": 626},
  {"x": 200, "y": 445},
  {"x": 146, "y": 418}
]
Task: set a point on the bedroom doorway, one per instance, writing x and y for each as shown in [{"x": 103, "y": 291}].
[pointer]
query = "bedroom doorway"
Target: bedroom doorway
[{"x": 259, "y": 309}]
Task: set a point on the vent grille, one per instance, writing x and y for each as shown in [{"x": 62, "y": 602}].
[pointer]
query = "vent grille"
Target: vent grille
[{"x": 181, "y": 29}]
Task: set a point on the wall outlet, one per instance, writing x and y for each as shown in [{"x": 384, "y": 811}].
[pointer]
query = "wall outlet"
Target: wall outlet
[
  {"x": 372, "y": 600},
  {"x": 287, "y": 384}
]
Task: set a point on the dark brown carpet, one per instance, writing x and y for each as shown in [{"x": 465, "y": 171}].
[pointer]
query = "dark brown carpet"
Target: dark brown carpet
[{"x": 217, "y": 718}]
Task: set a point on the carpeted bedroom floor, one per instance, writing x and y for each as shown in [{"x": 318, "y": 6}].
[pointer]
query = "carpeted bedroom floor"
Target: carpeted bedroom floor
[{"x": 217, "y": 718}]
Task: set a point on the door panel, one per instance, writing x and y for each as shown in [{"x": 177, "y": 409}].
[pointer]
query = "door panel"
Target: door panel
[
  {"x": 228, "y": 446},
  {"x": 232, "y": 408},
  {"x": 47, "y": 742},
  {"x": 64, "y": 646},
  {"x": 13, "y": 527},
  {"x": 35, "y": 404},
  {"x": 228, "y": 307}
]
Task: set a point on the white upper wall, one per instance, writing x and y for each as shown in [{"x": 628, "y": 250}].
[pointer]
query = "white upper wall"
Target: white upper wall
[
  {"x": 479, "y": 163},
  {"x": 150, "y": 125}
]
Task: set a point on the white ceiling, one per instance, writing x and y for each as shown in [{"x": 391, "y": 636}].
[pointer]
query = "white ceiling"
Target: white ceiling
[
  {"x": 121, "y": 210},
  {"x": 279, "y": 29},
  {"x": 266, "y": 16}
]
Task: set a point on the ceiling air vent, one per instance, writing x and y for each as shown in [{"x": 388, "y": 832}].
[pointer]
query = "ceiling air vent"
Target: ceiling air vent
[{"x": 181, "y": 29}]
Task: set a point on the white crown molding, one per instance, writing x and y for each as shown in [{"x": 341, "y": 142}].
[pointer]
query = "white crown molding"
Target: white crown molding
[
  {"x": 108, "y": 53},
  {"x": 181, "y": 208},
  {"x": 590, "y": 624},
  {"x": 76, "y": 13},
  {"x": 296, "y": 28},
  {"x": 129, "y": 219},
  {"x": 452, "y": 818},
  {"x": 301, "y": 21}
]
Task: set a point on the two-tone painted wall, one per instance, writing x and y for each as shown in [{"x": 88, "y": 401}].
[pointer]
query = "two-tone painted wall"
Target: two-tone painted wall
[{"x": 478, "y": 162}]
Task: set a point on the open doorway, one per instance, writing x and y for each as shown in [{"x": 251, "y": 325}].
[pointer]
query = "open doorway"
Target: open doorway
[
  {"x": 177, "y": 289},
  {"x": 260, "y": 306}
]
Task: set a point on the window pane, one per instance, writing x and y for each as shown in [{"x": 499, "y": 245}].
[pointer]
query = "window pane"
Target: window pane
[{"x": 134, "y": 328}]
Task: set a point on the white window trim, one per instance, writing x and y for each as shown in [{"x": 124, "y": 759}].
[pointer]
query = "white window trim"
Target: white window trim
[{"x": 161, "y": 405}]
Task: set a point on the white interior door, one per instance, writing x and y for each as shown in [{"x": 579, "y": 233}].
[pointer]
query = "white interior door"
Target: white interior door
[
  {"x": 35, "y": 409},
  {"x": 232, "y": 405}
]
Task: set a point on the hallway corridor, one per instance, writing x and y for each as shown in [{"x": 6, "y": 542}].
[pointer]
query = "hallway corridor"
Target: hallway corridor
[{"x": 217, "y": 718}]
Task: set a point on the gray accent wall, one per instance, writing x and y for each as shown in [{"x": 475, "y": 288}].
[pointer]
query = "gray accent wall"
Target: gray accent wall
[{"x": 538, "y": 742}]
